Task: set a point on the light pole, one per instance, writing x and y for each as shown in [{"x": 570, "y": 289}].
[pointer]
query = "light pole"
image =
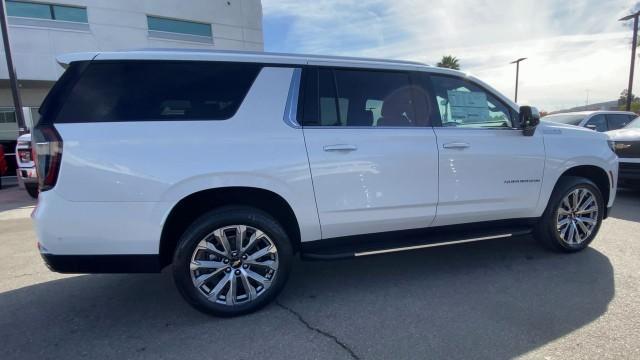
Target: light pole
[
  {"x": 633, "y": 55},
  {"x": 517, "y": 62},
  {"x": 587, "y": 102},
  {"x": 17, "y": 103}
]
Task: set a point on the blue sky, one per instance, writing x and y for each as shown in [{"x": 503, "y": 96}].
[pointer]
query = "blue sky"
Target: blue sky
[{"x": 574, "y": 47}]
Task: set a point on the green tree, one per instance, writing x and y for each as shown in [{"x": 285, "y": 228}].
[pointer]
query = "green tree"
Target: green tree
[
  {"x": 622, "y": 100},
  {"x": 449, "y": 62},
  {"x": 635, "y": 102}
]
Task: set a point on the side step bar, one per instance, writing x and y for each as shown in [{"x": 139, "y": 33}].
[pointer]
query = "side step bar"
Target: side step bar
[
  {"x": 416, "y": 247},
  {"x": 376, "y": 244}
]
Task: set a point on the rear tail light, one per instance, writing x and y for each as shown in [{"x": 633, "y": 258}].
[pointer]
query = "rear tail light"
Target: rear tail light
[
  {"x": 24, "y": 155},
  {"x": 47, "y": 145}
]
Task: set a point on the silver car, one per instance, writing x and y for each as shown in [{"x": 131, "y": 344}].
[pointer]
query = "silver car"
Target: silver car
[{"x": 600, "y": 121}]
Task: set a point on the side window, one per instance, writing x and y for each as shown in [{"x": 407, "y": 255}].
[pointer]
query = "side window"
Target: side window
[
  {"x": 158, "y": 90},
  {"x": 597, "y": 123},
  {"x": 361, "y": 98},
  {"x": 466, "y": 105},
  {"x": 617, "y": 121}
]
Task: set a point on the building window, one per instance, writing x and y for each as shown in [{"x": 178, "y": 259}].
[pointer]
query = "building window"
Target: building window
[
  {"x": 33, "y": 10},
  {"x": 7, "y": 116},
  {"x": 182, "y": 27}
]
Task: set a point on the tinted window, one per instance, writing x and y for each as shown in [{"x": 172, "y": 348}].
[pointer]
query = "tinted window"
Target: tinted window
[
  {"x": 47, "y": 11},
  {"x": 363, "y": 98},
  {"x": 617, "y": 121},
  {"x": 29, "y": 10},
  {"x": 464, "y": 104},
  {"x": 70, "y": 13},
  {"x": 597, "y": 123},
  {"x": 178, "y": 26},
  {"x": 157, "y": 90}
]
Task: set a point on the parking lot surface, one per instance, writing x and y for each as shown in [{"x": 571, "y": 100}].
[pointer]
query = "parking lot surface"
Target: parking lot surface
[{"x": 489, "y": 300}]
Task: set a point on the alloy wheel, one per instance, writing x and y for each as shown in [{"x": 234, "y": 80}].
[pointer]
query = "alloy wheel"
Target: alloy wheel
[
  {"x": 234, "y": 264},
  {"x": 577, "y": 216}
]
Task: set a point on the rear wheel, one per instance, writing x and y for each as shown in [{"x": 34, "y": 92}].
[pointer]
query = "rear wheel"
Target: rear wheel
[
  {"x": 573, "y": 215},
  {"x": 232, "y": 261}
]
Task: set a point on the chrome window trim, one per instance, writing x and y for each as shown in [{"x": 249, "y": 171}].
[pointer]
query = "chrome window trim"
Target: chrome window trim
[
  {"x": 291, "y": 110},
  {"x": 476, "y": 128},
  {"x": 404, "y": 127}
]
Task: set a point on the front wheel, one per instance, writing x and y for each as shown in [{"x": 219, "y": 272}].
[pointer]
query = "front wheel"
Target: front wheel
[
  {"x": 232, "y": 261},
  {"x": 573, "y": 215}
]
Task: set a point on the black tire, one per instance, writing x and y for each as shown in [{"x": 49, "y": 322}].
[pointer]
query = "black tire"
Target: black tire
[
  {"x": 216, "y": 219},
  {"x": 545, "y": 230},
  {"x": 32, "y": 190}
]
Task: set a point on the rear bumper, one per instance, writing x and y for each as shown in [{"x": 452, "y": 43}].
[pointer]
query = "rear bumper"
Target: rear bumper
[
  {"x": 97, "y": 228},
  {"x": 102, "y": 264}
]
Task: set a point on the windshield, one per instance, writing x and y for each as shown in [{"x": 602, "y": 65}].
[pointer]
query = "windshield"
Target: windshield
[
  {"x": 635, "y": 124},
  {"x": 569, "y": 119}
]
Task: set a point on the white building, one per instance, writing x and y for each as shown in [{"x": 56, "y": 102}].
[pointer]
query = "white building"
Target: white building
[{"x": 41, "y": 30}]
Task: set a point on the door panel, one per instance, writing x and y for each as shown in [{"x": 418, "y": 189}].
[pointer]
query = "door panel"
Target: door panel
[
  {"x": 496, "y": 176},
  {"x": 374, "y": 163},
  {"x": 386, "y": 180}
]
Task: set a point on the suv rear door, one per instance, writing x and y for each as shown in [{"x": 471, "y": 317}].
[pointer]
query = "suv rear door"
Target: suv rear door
[{"x": 374, "y": 160}]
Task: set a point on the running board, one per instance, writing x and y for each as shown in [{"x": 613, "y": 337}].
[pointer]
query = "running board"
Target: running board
[{"x": 376, "y": 244}]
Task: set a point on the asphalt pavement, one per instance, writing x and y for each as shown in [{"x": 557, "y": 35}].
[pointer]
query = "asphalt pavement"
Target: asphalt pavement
[{"x": 490, "y": 300}]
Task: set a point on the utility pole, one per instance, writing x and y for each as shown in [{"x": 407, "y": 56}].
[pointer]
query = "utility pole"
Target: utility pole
[
  {"x": 587, "y": 102},
  {"x": 17, "y": 103},
  {"x": 633, "y": 55},
  {"x": 517, "y": 62}
]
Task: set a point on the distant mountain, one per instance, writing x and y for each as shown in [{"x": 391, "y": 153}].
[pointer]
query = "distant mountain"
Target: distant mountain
[{"x": 607, "y": 105}]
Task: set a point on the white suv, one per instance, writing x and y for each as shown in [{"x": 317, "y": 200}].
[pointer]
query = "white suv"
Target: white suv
[{"x": 224, "y": 165}]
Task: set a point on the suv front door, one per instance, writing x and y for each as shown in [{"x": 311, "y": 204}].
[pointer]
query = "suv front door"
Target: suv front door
[
  {"x": 488, "y": 169},
  {"x": 374, "y": 164}
]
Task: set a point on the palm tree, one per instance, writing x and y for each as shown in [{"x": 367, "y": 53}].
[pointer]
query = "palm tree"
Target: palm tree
[{"x": 449, "y": 62}]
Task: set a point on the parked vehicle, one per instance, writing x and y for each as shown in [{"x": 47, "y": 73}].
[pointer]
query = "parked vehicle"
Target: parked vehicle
[
  {"x": 600, "y": 121},
  {"x": 224, "y": 165},
  {"x": 626, "y": 143},
  {"x": 27, "y": 177}
]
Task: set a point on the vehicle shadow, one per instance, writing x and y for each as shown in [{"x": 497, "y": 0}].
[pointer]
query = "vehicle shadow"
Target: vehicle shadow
[
  {"x": 495, "y": 299},
  {"x": 627, "y": 204}
]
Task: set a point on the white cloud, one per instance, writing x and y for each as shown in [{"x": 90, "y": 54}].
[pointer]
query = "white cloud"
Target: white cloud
[{"x": 573, "y": 46}]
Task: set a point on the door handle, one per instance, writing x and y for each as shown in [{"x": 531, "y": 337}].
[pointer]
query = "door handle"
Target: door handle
[
  {"x": 340, "y": 147},
  {"x": 456, "y": 145}
]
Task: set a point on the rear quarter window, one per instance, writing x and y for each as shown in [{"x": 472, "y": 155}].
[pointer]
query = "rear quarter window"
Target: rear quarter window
[{"x": 110, "y": 91}]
